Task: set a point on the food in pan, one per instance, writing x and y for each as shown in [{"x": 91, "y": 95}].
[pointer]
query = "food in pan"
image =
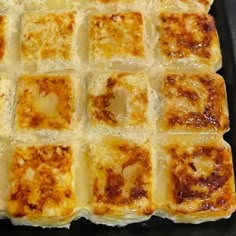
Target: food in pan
[{"x": 112, "y": 111}]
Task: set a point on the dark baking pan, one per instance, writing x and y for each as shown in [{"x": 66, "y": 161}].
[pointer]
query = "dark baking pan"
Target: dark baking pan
[{"x": 224, "y": 12}]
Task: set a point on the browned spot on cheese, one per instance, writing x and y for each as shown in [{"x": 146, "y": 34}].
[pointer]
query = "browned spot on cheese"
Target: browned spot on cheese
[
  {"x": 28, "y": 113},
  {"x": 101, "y": 103},
  {"x": 187, "y": 34},
  {"x": 35, "y": 186},
  {"x": 195, "y": 101},
  {"x": 190, "y": 183}
]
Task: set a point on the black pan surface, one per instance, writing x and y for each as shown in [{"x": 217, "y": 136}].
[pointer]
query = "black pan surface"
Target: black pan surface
[{"x": 224, "y": 12}]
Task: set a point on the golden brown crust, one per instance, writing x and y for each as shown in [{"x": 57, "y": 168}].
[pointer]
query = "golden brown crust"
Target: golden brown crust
[
  {"x": 121, "y": 92},
  {"x": 47, "y": 36},
  {"x": 121, "y": 178},
  {"x": 35, "y": 92},
  {"x": 36, "y": 189},
  {"x": 194, "y": 102},
  {"x": 116, "y": 36}
]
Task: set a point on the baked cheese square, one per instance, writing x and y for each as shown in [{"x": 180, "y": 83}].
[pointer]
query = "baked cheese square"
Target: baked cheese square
[
  {"x": 41, "y": 185},
  {"x": 48, "y": 37},
  {"x": 121, "y": 177},
  {"x": 118, "y": 99},
  {"x": 188, "y": 40},
  {"x": 116, "y": 37},
  {"x": 200, "y": 179},
  {"x": 193, "y": 102},
  {"x": 185, "y": 5},
  {"x": 45, "y": 101}
]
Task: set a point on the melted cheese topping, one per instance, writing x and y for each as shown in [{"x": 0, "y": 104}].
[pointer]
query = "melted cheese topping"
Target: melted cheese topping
[
  {"x": 116, "y": 36},
  {"x": 120, "y": 101},
  {"x": 41, "y": 182},
  {"x": 47, "y": 36},
  {"x": 44, "y": 102},
  {"x": 121, "y": 177},
  {"x": 194, "y": 102},
  {"x": 186, "y": 37},
  {"x": 201, "y": 180},
  {"x": 186, "y": 5}
]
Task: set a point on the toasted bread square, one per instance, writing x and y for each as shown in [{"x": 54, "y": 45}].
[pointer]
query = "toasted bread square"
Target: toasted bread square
[
  {"x": 199, "y": 179},
  {"x": 188, "y": 40},
  {"x": 185, "y": 5},
  {"x": 42, "y": 185},
  {"x": 121, "y": 177},
  {"x": 118, "y": 99},
  {"x": 116, "y": 37},
  {"x": 45, "y": 101},
  {"x": 193, "y": 102},
  {"x": 48, "y": 37}
]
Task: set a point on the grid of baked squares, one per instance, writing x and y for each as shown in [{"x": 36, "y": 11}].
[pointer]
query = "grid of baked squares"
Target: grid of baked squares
[
  {"x": 183, "y": 39},
  {"x": 152, "y": 138}
]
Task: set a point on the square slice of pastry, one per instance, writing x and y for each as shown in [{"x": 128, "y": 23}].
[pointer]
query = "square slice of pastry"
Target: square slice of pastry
[
  {"x": 121, "y": 177},
  {"x": 48, "y": 38},
  {"x": 45, "y": 101},
  {"x": 118, "y": 99},
  {"x": 116, "y": 37},
  {"x": 188, "y": 41},
  {"x": 193, "y": 102},
  {"x": 41, "y": 185},
  {"x": 185, "y": 5},
  {"x": 199, "y": 179}
]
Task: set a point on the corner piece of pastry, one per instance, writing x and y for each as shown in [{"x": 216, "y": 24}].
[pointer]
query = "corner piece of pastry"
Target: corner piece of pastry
[
  {"x": 188, "y": 40},
  {"x": 199, "y": 179},
  {"x": 41, "y": 185}
]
